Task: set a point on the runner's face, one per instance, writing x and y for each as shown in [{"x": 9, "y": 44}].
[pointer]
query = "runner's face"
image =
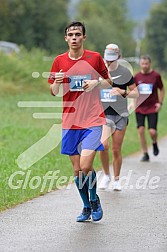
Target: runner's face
[
  {"x": 110, "y": 62},
  {"x": 145, "y": 65},
  {"x": 75, "y": 37}
]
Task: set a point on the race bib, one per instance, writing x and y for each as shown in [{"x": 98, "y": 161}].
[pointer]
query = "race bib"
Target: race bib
[
  {"x": 76, "y": 81},
  {"x": 105, "y": 96},
  {"x": 145, "y": 88}
]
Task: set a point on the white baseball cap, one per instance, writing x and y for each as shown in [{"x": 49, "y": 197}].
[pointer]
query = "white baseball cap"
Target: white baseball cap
[{"x": 111, "y": 52}]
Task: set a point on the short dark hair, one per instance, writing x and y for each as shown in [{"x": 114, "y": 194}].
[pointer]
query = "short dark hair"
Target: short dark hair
[
  {"x": 76, "y": 24},
  {"x": 146, "y": 57}
]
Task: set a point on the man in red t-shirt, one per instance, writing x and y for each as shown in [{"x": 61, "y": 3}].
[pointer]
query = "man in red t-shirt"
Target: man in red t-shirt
[
  {"x": 78, "y": 71},
  {"x": 148, "y": 104}
]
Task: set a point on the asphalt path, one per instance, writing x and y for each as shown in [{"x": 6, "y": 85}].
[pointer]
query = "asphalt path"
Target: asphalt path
[{"x": 135, "y": 219}]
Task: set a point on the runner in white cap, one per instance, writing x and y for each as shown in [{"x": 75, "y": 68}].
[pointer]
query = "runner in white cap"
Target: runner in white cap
[{"x": 114, "y": 102}]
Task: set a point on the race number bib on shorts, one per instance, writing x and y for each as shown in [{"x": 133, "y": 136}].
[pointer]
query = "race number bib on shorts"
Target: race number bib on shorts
[
  {"x": 76, "y": 81},
  {"x": 105, "y": 96},
  {"x": 145, "y": 88}
]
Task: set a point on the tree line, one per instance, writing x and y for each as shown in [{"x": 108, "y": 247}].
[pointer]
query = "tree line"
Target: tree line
[
  {"x": 156, "y": 35},
  {"x": 34, "y": 23},
  {"x": 41, "y": 24},
  {"x": 37, "y": 23}
]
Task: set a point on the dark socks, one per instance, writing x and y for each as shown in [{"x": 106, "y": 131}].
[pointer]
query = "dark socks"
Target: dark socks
[
  {"x": 91, "y": 182},
  {"x": 83, "y": 189}
]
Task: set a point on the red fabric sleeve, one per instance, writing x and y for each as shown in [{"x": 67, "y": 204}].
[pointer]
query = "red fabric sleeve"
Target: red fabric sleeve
[
  {"x": 53, "y": 70},
  {"x": 104, "y": 71}
]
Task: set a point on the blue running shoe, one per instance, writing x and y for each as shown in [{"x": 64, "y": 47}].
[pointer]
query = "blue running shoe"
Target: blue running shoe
[
  {"x": 96, "y": 209},
  {"x": 85, "y": 215}
]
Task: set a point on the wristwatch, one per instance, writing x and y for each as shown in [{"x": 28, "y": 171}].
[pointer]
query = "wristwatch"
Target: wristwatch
[{"x": 125, "y": 94}]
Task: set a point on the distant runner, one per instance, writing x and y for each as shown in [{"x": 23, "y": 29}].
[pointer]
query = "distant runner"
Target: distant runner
[{"x": 149, "y": 82}]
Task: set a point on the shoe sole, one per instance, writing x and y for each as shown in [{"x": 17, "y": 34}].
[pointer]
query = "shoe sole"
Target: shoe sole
[
  {"x": 98, "y": 219},
  {"x": 102, "y": 188},
  {"x": 117, "y": 190},
  {"x": 156, "y": 154}
]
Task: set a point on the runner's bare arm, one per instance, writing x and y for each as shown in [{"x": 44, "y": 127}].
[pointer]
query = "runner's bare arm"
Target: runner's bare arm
[
  {"x": 54, "y": 88},
  {"x": 89, "y": 85},
  {"x": 105, "y": 83},
  {"x": 57, "y": 82}
]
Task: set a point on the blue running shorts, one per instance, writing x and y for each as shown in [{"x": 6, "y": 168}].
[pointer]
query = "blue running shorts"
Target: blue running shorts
[{"x": 76, "y": 140}]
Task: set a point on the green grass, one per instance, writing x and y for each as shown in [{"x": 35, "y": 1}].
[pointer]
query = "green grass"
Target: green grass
[{"x": 19, "y": 130}]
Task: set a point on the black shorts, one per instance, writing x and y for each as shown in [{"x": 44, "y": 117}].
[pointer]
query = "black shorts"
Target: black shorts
[{"x": 152, "y": 120}]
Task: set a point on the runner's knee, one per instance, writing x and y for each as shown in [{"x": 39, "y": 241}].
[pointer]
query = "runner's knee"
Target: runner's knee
[
  {"x": 152, "y": 132},
  {"x": 76, "y": 169},
  {"x": 116, "y": 151},
  {"x": 106, "y": 145},
  {"x": 141, "y": 129},
  {"x": 86, "y": 168}
]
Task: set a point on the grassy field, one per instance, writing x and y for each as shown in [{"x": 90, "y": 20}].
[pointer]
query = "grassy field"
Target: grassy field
[{"x": 19, "y": 130}]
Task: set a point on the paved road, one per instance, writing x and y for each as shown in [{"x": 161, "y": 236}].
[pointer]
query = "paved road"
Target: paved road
[{"x": 134, "y": 219}]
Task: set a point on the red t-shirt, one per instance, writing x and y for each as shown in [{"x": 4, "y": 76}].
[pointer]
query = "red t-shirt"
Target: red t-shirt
[
  {"x": 80, "y": 109},
  {"x": 148, "y": 85}
]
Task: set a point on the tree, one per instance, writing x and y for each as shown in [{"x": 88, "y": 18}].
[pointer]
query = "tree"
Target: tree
[
  {"x": 107, "y": 22},
  {"x": 34, "y": 23},
  {"x": 156, "y": 34}
]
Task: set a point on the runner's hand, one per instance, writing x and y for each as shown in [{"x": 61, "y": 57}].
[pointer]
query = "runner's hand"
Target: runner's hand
[
  {"x": 116, "y": 91},
  {"x": 89, "y": 85},
  {"x": 59, "y": 77},
  {"x": 157, "y": 107}
]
